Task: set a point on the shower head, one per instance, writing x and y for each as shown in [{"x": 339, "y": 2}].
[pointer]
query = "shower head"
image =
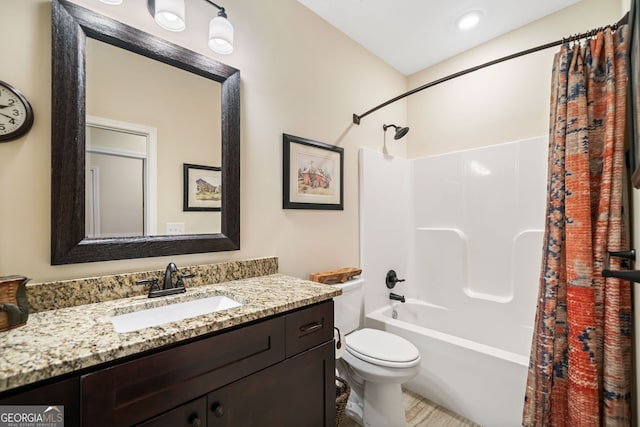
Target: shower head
[{"x": 400, "y": 132}]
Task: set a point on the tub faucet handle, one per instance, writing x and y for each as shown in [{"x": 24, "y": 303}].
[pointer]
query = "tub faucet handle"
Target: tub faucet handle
[{"x": 392, "y": 279}]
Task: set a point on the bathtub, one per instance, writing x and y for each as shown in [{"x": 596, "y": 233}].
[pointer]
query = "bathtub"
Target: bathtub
[{"x": 459, "y": 370}]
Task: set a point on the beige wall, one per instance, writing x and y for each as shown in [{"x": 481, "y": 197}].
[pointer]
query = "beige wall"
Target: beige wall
[
  {"x": 299, "y": 76},
  {"x": 504, "y": 102}
]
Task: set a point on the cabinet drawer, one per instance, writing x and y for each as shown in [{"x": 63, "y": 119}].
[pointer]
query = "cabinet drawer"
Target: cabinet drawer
[
  {"x": 309, "y": 327},
  {"x": 140, "y": 389}
]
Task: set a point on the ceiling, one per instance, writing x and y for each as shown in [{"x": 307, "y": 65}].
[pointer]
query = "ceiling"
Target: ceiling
[{"x": 411, "y": 35}]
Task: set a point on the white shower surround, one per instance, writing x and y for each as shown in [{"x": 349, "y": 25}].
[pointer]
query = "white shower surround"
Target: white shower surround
[{"x": 465, "y": 230}]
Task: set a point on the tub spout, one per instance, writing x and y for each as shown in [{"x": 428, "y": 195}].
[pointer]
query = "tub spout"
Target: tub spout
[{"x": 396, "y": 297}]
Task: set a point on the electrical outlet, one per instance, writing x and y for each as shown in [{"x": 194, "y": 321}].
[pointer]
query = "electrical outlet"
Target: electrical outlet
[{"x": 175, "y": 228}]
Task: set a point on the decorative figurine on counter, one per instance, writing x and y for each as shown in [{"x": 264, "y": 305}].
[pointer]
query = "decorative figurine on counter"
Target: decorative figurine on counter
[{"x": 14, "y": 307}]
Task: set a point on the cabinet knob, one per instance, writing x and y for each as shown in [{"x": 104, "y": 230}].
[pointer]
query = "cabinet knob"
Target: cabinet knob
[
  {"x": 195, "y": 421},
  {"x": 218, "y": 410}
]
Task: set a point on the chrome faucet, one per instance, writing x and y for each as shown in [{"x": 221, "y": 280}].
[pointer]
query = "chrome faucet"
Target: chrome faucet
[{"x": 396, "y": 297}]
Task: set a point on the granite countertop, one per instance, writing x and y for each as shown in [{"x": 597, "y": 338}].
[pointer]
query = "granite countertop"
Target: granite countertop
[{"x": 65, "y": 340}]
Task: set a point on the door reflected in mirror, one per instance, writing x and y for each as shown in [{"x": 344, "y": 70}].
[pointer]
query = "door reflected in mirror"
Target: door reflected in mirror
[
  {"x": 116, "y": 182},
  {"x": 184, "y": 110}
]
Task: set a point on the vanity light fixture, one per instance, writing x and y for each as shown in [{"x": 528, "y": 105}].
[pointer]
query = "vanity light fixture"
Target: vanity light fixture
[
  {"x": 170, "y": 15},
  {"x": 220, "y": 32}
]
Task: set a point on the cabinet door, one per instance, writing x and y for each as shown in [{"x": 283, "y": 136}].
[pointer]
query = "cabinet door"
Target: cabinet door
[
  {"x": 62, "y": 393},
  {"x": 192, "y": 414},
  {"x": 299, "y": 391}
]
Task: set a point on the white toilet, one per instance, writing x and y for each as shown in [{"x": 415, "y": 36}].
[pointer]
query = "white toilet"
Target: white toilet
[{"x": 375, "y": 363}]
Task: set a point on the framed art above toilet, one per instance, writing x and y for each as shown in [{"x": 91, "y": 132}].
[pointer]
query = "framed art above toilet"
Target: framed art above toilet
[{"x": 312, "y": 174}]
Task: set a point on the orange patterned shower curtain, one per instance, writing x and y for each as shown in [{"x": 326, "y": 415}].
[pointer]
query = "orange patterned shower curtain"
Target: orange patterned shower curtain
[{"x": 580, "y": 366}]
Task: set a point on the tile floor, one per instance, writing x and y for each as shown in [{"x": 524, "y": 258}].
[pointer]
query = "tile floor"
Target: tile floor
[{"x": 421, "y": 412}]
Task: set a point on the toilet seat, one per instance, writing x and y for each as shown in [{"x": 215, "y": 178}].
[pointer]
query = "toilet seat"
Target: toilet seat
[{"x": 382, "y": 348}]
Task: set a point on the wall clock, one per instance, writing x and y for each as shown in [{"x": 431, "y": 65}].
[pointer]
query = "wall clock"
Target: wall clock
[{"x": 16, "y": 115}]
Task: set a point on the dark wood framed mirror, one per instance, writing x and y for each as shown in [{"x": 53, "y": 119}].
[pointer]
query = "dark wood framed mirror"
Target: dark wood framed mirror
[{"x": 71, "y": 25}]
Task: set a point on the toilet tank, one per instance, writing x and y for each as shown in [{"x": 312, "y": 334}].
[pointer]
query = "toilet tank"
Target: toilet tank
[{"x": 348, "y": 306}]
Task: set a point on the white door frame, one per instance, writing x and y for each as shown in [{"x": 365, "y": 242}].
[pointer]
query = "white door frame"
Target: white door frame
[{"x": 149, "y": 160}]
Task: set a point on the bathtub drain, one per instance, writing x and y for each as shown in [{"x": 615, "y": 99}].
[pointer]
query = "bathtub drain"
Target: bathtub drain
[{"x": 394, "y": 314}]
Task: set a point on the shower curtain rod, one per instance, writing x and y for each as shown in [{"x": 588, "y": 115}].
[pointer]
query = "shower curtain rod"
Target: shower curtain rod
[{"x": 591, "y": 33}]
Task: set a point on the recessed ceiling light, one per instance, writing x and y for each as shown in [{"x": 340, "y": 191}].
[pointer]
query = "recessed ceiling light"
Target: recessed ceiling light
[{"x": 469, "y": 20}]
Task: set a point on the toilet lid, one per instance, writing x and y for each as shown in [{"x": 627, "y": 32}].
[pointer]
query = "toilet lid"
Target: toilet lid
[{"x": 382, "y": 348}]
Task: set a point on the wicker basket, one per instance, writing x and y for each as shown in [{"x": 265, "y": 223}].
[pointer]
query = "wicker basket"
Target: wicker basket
[
  {"x": 342, "y": 396},
  {"x": 12, "y": 294}
]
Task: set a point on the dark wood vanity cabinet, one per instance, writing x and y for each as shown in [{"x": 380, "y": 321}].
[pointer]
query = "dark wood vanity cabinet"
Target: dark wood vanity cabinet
[
  {"x": 62, "y": 392},
  {"x": 277, "y": 372}
]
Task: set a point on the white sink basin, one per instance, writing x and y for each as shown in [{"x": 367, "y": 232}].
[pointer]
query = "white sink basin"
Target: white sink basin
[{"x": 156, "y": 316}]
